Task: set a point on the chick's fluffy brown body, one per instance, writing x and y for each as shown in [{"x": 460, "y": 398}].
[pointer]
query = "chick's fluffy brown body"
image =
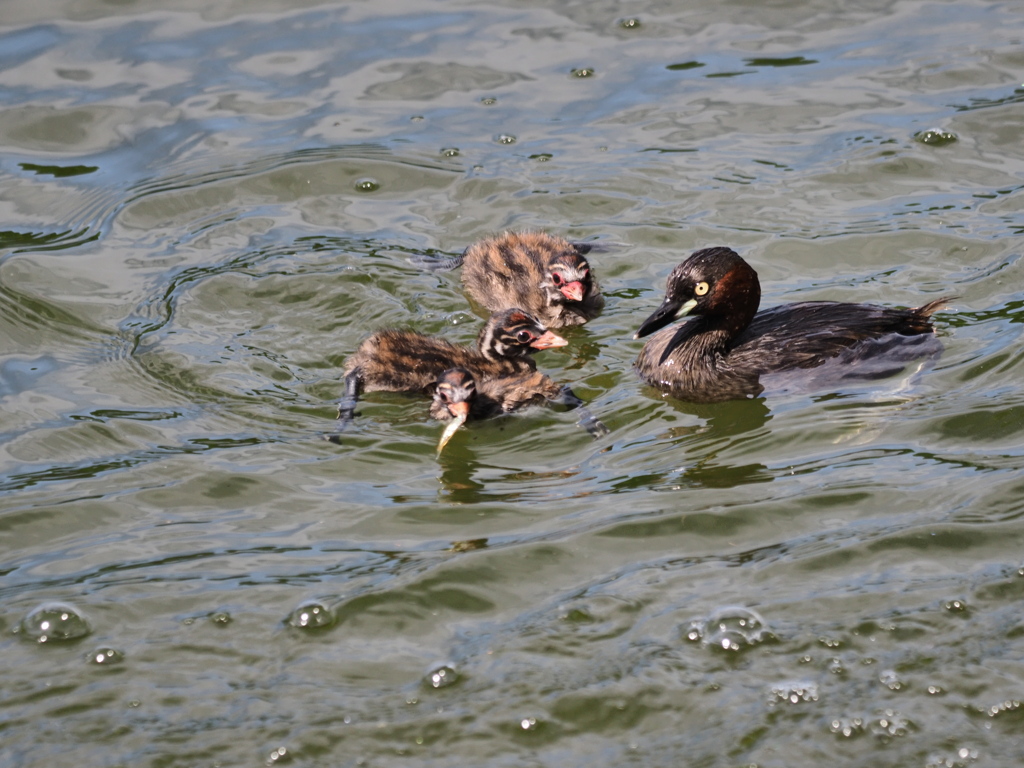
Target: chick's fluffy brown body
[
  {"x": 548, "y": 276},
  {"x": 492, "y": 396},
  {"x": 405, "y": 361},
  {"x": 459, "y": 395}
]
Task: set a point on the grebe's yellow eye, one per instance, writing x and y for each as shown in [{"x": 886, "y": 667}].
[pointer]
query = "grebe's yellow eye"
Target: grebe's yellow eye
[{"x": 701, "y": 288}]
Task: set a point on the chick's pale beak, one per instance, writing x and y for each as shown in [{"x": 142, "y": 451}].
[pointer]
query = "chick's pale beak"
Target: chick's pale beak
[
  {"x": 573, "y": 291},
  {"x": 452, "y": 427},
  {"x": 547, "y": 340},
  {"x": 459, "y": 410}
]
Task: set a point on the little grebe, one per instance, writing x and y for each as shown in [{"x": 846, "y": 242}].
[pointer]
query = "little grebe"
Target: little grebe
[
  {"x": 459, "y": 396},
  {"x": 405, "y": 361},
  {"x": 731, "y": 351},
  {"x": 546, "y": 275}
]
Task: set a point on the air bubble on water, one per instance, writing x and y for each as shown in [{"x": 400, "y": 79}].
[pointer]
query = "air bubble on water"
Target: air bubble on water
[
  {"x": 890, "y": 724},
  {"x": 934, "y": 690},
  {"x": 582, "y": 72},
  {"x": 961, "y": 758},
  {"x": 630, "y": 23},
  {"x": 528, "y": 723},
  {"x": 442, "y": 675},
  {"x": 541, "y": 157},
  {"x": 732, "y": 629},
  {"x": 311, "y": 615},
  {"x": 830, "y": 642},
  {"x": 836, "y": 666},
  {"x": 936, "y": 137},
  {"x": 367, "y": 185},
  {"x": 793, "y": 693},
  {"x": 955, "y": 606},
  {"x": 106, "y": 656},
  {"x": 460, "y": 318},
  {"x": 55, "y": 622},
  {"x": 221, "y": 618},
  {"x": 847, "y": 727},
  {"x": 278, "y": 755},
  {"x": 505, "y": 138},
  {"x": 1010, "y": 705},
  {"x": 891, "y": 680},
  {"x": 488, "y": 101},
  {"x": 450, "y": 152}
]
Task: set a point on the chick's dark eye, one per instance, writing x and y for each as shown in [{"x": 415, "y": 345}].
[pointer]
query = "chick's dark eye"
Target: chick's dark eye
[
  {"x": 556, "y": 278},
  {"x": 524, "y": 337}
]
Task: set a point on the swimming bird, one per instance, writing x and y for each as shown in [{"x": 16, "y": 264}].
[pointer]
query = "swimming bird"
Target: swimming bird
[
  {"x": 460, "y": 396},
  {"x": 546, "y": 275},
  {"x": 394, "y": 360},
  {"x": 730, "y": 350}
]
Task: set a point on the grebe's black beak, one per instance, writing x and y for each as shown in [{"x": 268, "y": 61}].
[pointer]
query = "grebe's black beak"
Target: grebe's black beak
[{"x": 669, "y": 311}]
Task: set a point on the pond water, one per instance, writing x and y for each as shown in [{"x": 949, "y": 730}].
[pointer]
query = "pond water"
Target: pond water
[{"x": 205, "y": 206}]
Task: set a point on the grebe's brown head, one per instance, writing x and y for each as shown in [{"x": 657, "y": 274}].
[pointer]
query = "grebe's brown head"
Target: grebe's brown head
[{"x": 714, "y": 283}]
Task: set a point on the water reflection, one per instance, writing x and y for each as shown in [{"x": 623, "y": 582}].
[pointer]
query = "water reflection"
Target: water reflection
[
  {"x": 703, "y": 452},
  {"x": 205, "y": 212},
  {"x": 458, "y": 483},
  {"x": 466, "y": 480}
]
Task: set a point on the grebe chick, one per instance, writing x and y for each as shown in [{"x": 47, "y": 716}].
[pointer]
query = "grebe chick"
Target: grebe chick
[
  {"x": 546, "y": 275},
  {"x": 460, "y": 396},
  {"x": 405, "y": 361}
]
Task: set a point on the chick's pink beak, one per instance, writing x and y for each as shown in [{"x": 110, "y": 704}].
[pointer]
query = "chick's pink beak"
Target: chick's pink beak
[
  {"x": 573, "y": 291},
  {"x": 459, "y": 410},
  {"x": 547, "y": 340}
]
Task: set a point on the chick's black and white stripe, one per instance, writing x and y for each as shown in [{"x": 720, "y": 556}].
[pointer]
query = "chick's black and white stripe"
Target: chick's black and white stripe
[
  {"x": 546, "y": 275},
  {"x": 406, "y": 361}
]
